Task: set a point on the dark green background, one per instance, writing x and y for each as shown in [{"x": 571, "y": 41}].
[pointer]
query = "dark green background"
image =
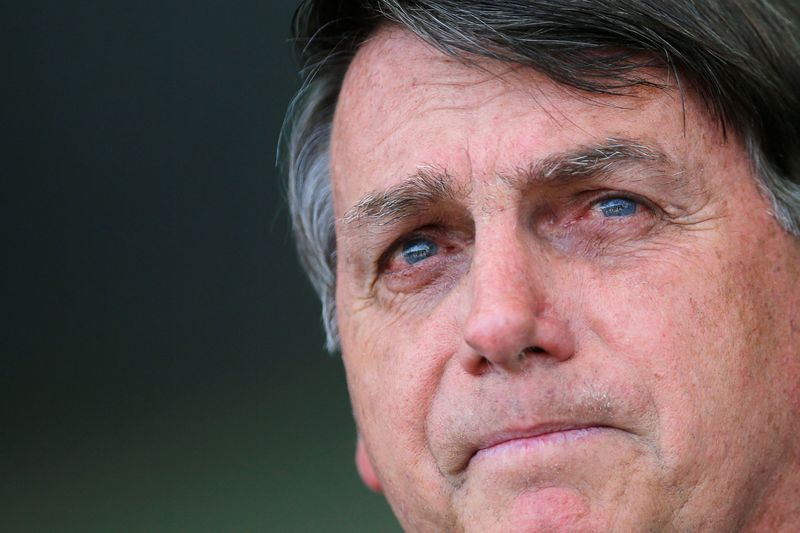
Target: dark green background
[{"x": 162, "y": 365}]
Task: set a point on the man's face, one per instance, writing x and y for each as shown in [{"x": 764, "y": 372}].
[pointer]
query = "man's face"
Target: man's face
[{"x": 558, "y": 311}]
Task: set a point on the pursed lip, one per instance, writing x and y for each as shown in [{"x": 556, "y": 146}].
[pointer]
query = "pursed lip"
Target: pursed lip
[{"x": 543, "y": 434}]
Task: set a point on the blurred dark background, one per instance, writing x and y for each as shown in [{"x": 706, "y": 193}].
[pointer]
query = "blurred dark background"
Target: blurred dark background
[{"x": 162, "y": 365}]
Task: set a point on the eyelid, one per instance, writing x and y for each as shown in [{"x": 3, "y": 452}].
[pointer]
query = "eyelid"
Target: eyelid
[
  {"x": 449, "y": 240},
  {"x": 396, "y": 246},
  {"x": 625, "y": 195},
  {"x": 417, "y": 250},
  {"x": 582, "y": 212}
]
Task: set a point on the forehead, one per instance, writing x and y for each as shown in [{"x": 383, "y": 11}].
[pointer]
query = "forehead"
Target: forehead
[
  {"x": 405, "y": 105},
  {"x": 397, "y": 73}
]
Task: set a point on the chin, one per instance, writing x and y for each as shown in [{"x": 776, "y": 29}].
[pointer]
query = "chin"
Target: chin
[{"x": 549, "y": 509}]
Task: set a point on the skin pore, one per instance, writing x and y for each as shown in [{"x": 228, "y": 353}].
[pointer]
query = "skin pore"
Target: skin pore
[{"x": 558, "y": 312}]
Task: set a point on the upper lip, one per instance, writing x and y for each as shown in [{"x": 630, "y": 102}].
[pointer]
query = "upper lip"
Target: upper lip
[
  {"x": 499, "y": 437},
  {"x": 457, "y": 436}
]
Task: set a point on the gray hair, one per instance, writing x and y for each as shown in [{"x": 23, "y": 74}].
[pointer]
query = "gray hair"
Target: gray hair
[{"x": 741, "y": 58}]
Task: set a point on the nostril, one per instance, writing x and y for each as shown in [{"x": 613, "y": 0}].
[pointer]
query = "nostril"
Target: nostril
[
  {"x": 530, "y": 350},
  {"x": 502, "y": 340}
]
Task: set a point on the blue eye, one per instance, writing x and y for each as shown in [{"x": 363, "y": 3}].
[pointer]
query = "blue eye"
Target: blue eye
[
  {"x": 417, "y": 250},
  {"x": 617, "y": 207}
]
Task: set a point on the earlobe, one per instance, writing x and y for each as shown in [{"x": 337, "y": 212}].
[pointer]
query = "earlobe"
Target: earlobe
[{"x": 364, "y": 466}]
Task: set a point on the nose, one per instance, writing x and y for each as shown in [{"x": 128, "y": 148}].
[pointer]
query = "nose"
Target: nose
[{"x": 511, "y": 319}]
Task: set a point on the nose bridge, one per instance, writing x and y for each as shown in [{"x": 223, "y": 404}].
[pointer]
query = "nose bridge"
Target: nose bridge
[
  {"x": 509, "y": 313},
  {"x": 504, "y": 272}
]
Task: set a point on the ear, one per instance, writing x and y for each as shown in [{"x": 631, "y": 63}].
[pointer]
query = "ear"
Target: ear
[{"x": 364, "y": 466}]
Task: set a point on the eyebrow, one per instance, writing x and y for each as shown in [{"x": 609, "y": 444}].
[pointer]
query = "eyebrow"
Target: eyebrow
[
  {"x": 599, "y": 159},
  {"x": 428, "y": 187},
  {"x": 419, "y": 192}
]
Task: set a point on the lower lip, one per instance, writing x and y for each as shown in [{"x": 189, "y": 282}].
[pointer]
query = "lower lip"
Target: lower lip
[{"x": 540, "y": 442}]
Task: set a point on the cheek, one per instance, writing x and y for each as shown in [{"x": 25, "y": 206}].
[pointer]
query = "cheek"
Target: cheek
[
  {"x": 394, "y": 367},
  {"x": 686, "y": 335},
  {"x": 646, "y": 328},
  {"x": 395, "y": 354}
]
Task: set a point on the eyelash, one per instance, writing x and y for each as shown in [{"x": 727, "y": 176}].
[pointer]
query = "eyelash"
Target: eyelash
[
  {"x": 595, "y": 200},
  {"x": 396, "y": 248}
]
